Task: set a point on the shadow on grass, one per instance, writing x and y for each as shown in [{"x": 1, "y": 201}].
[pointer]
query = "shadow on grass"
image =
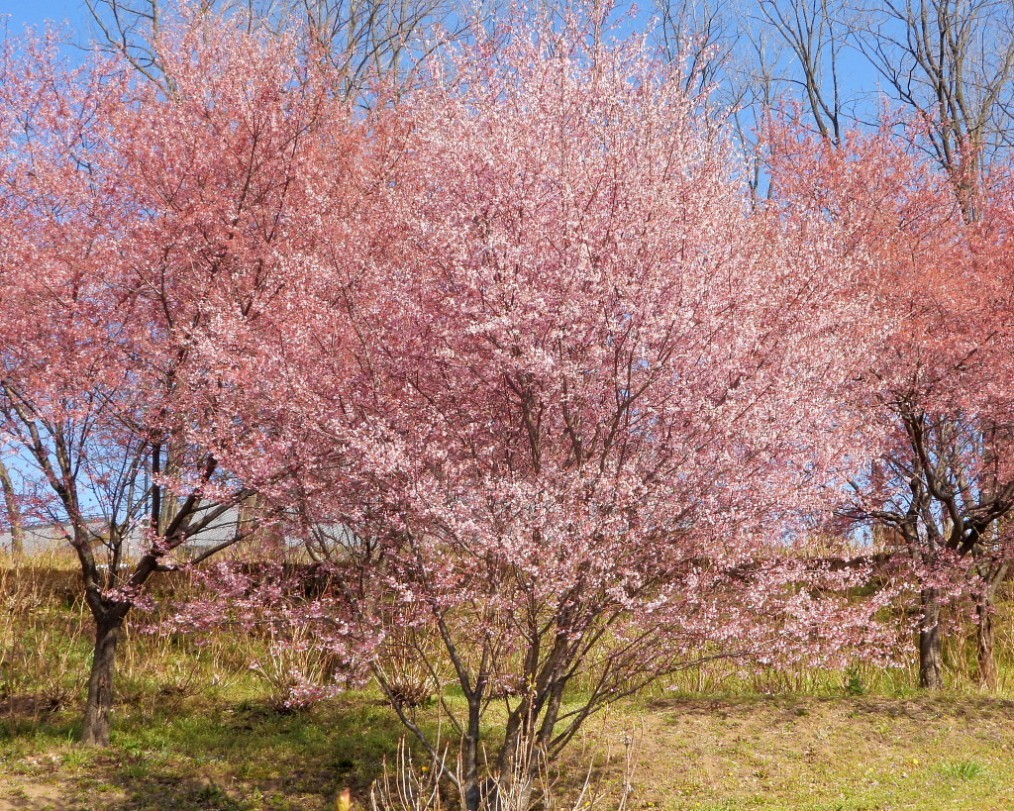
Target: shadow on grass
[
  {"x": 924, "y": 707},
  {"x": 189, "y": 755}
]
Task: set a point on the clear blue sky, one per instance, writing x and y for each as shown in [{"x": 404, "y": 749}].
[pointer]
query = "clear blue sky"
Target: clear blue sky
[
  {"x": 73, "y": 13},
  {"x": 20, "y": 13}
]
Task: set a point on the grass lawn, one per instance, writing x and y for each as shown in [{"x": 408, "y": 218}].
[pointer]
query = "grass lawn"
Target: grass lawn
[{"x": 805, "y": 753}]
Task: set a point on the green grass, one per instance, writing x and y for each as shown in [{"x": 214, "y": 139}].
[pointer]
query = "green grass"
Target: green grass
[
  {"x": 802, "y": 753},
  {"x": 962, "y": 770},
  {"x": 798, "y": 752},
  {"x": 206, "y": 753}
]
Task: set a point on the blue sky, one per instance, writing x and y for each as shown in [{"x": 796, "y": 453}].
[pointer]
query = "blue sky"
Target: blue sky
[
  {"x": 20, "y": 13},
  {"x": 72, "y": 15}
]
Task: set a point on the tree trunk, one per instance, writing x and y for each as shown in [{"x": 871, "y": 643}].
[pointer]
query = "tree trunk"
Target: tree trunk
[
  {"x": 992, "y": 573},
  {"x": 100, "y": 682},
  {"x": 930, "y": 644},
  {"x": 985, "y": 643},
  {"x": 13, "y": 512},
  {"x": 471, "y": 787}
]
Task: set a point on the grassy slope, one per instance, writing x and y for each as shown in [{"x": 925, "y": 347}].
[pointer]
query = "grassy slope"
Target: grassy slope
[
  {"x": 843, "y": 753},
  {"x": 807, "y": 753}
]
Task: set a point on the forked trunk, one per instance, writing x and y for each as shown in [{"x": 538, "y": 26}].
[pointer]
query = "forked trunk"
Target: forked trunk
[
  {"x": 100, "y": 683},
  {"x": 930, "y": 643}
]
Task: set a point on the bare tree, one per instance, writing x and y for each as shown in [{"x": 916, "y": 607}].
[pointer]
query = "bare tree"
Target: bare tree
[
  {"x": 726, "y": 58},
  {"x": 361, "y": 38},
  {"x": 951, "y": 62},
  {"x": 703, "y": 36},
  {"x": 815, "y": 32}
]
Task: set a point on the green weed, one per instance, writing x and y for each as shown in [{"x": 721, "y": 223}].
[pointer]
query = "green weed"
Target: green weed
[{"x": 962, "y": 770}]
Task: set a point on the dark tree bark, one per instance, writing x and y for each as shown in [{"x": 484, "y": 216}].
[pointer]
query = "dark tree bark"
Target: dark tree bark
[
  {"x": 985, "y": 644},
  {"x": 992, "y": 573},
  {"x": 930, "y": 642},
  {"x": 99, "y": 704}
]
